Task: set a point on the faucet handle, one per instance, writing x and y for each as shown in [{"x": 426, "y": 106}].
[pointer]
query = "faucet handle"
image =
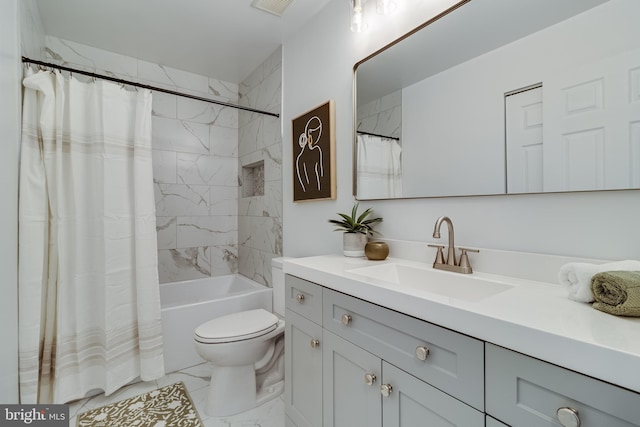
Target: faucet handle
[
  {"x": 439, "y": 254},
  {"x": 464, "y": 258},
  {"x": 465, "y": 250}
]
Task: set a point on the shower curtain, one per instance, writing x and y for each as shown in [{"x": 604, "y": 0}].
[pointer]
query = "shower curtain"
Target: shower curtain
[
  {"x": 89, "y": 305},
  {"x": 379, "y": 173}
]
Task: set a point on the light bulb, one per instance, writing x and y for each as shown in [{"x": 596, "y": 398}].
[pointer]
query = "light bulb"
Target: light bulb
[{"x": 357, "y": 19}]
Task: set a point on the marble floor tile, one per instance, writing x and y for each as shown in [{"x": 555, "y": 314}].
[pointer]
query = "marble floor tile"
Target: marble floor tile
[
  {"x": 269, "y": 414},
  {"x": 196, "y": 380}
]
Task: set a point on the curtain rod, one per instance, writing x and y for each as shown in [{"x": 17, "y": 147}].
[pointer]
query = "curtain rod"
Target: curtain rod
[
  {"x": 375, "y": 134},
  {"x": 144, "y": 86}
]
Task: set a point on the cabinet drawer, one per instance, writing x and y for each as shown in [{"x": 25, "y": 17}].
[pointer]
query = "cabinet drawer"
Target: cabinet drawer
[
  {"x": 454, "y": 363},
  {"x": 304, "y": 298},
  {"x": 523, "y": 391}
]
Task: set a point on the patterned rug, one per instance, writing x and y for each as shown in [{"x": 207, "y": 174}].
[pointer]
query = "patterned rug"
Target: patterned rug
[{"x": 165, "y": 407}]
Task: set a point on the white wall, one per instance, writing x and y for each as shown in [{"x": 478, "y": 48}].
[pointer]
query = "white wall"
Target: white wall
[
  {"x": 10, "y": 136},
  {"x": 31, "y": 30},
  {"x": 317, "y": 65}
]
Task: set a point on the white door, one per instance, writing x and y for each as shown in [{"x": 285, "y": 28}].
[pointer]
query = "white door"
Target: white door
[
  {"x": 592, "y": 126},
  {"x": 523, "y": 127}
]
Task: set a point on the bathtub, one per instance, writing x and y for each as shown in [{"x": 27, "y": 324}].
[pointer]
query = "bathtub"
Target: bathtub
[{"x": 185, "y": 305}]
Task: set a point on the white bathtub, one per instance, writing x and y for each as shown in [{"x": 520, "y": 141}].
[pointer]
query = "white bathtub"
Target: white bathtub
[{"x": 187, "y": 304}]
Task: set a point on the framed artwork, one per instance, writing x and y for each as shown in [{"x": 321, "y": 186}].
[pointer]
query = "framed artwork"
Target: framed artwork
[{"x": 314, "y": 154}]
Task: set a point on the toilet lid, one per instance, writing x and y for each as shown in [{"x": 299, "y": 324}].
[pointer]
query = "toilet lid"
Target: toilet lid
[{"x": 237, "y": 327}]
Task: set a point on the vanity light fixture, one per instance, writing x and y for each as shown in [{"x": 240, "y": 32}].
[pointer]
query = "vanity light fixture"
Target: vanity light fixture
[
  {"x": 357, "y": 16},
  {"x": 385, "y": 7}
]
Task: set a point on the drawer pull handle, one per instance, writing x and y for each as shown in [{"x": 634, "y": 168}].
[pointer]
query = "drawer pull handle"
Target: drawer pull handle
[
  {"x": 315, "y": 343},
  {"x": 422, "y": 352},
  {"x": 369, "y": 379},
  {"x": 300, "y": 298},
  {"x": 386, "y": 389},
  {"x": 568, "y": 417},
  {"x": 346, "y": 319}
]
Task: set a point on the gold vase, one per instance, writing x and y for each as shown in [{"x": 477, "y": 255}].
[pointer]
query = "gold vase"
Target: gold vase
[{"x": 376, "y": 251}]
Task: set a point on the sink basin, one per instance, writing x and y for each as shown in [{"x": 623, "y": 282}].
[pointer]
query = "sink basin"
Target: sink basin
[{"x": 467, "y": 287}]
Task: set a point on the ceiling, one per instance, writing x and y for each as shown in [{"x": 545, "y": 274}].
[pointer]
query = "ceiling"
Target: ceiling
[{"x": 224, "y": 39}]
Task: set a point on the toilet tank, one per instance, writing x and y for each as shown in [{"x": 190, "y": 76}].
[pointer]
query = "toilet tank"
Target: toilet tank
[{"x": 278, "y": 286}]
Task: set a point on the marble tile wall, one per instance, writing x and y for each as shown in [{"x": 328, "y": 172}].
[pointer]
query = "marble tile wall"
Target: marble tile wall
[
  {"x": 195, "y": 161},
  {"x": 382, "y": 116},
  {"x": 260, "y": 139},
  {"x": 31, "y": 30}
]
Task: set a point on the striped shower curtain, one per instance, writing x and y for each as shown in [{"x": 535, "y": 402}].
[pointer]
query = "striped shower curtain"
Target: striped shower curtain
[
  {"x": 89, "y": 305},
  {"x": 379, "y": 172}
]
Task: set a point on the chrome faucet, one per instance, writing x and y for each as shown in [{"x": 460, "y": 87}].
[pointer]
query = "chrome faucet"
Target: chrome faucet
[{"x": 450, "y": 263}]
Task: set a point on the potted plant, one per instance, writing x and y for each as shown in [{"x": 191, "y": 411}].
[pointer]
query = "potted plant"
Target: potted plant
[{"x": 356, "y": 228}]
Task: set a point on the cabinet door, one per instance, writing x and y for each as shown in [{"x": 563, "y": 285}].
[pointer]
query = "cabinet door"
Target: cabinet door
[
  {"x": 415, "y": 403},
  {"x": 303, "y": 370},
  {"x": 351, "y": 384}
]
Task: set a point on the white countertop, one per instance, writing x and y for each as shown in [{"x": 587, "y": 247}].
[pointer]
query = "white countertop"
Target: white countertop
[{"x": 534, "y": 318}]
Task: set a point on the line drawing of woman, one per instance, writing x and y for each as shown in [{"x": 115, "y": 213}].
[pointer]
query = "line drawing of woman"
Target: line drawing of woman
[{"x": 310, "y": 137}]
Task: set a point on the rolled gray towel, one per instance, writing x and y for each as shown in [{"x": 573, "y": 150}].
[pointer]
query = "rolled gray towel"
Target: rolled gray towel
[{"x": 617, "y": 292}]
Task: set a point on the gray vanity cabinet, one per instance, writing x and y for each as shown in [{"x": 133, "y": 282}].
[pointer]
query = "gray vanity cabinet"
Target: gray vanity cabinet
[
  {"x": 351, "y": 363},
  {"x": 523, "y": 391},
  {"x": 303, "y": 353}
]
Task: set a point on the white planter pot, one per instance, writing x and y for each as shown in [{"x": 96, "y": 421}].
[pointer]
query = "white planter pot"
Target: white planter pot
[{"x": 353, "y": 244}]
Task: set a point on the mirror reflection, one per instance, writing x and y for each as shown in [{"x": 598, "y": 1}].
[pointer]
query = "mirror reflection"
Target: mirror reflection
[{"x": 503, "y": 96}]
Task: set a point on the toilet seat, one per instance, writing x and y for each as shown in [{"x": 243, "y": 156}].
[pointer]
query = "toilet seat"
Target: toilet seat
[{"x": 236, "y": 327}]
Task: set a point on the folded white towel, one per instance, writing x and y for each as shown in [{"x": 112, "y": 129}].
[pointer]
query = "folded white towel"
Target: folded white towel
[{"x": 577, "y": 276}]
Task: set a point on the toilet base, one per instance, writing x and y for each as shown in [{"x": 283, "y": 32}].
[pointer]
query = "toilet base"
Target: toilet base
[
  {"x": 235, "y": 391},
  {"x": 232, "y": 390}
]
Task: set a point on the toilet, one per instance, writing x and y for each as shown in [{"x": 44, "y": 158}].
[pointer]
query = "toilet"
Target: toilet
[{"x": 246, "y": 351}]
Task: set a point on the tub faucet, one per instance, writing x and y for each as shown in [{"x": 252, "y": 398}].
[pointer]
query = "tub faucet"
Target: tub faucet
[{"x": 450, "y": 263}]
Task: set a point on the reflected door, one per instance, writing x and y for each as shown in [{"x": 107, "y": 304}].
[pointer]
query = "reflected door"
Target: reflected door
[
  {"x": 592, "y": 126},
  {"x": 523, "y": 129}
]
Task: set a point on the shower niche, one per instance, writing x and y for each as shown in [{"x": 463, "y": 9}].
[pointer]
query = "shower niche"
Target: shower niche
[{"x": 253, "y": 179}]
